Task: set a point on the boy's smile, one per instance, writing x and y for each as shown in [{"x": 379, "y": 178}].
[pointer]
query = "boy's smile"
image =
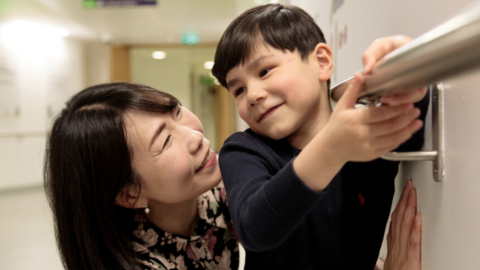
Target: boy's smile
[
  {"x": 280, "y": 95},
  {"x": 269, "y": 112}
]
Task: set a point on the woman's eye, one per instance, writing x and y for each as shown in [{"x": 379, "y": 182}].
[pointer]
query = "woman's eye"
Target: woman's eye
[
  {"x": 166, "y": 141},
  {"x": 178, "y": 112},
  {"x": 239, "y": 91},
  {"x": 264, "y": 72}
]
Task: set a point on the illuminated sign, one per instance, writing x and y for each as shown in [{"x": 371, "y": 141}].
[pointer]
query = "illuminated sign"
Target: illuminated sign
[
  {"x": 117, "y": 3},
  {"x": 190, "y": 39}
]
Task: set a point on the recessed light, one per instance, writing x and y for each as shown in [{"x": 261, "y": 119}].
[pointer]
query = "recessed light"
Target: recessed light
[
  {"x": 208, "y": 64},
  {"x": 159, "y": 55}
]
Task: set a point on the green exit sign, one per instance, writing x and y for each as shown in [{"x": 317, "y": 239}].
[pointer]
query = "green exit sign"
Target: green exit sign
[
  {"x": 190, "y": 39},
  {"x": 90, "y": 4}
]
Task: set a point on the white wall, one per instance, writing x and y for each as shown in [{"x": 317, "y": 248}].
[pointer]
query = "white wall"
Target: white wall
[
  {"x": 451, "y": 235},
  {"x": 37, "y": 76},
  {"x": 451, "y": 238}
]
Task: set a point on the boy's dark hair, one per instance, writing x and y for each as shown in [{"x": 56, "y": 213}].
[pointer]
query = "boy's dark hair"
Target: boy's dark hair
[
  {"x": 87, "y": 163},
  {"x": 282, "y": 27}
]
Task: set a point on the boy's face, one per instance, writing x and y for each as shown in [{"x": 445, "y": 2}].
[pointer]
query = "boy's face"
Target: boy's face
[{"x": 277, "y": 93}]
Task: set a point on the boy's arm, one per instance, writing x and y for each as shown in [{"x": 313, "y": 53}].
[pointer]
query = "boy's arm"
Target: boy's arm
[
  {"x": 363, "y": 134},
  {"x": 266, "y": 207},
  {"x": 354, "y": 135}
]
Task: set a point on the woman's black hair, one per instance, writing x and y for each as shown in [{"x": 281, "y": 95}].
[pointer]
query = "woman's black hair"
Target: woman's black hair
[
  {"x": 280, "y": 26},
  {"x": 87, "y": 163}
]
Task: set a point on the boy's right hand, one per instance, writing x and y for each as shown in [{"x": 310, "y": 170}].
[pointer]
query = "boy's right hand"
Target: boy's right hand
[{"x": 368, "y": 133}]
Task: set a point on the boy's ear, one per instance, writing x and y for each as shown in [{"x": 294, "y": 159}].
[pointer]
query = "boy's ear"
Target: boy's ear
[
  {"x": 324, "y": 59},
  {"x": 128, "y": 197}
]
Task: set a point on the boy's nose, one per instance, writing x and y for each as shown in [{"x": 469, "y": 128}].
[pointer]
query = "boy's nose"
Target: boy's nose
[{"x": 255, "y": 95}]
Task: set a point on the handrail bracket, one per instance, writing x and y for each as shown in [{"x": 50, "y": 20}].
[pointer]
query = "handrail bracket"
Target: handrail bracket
[{"x": 437, "y": 153}]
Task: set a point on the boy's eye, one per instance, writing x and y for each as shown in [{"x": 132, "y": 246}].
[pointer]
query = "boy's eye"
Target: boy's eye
[
  {"x": 239, "y": 91},
  {"x": 264, "y": 72}
]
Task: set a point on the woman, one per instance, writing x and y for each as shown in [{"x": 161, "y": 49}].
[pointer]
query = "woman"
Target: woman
[{"x": 124, "y": 160}]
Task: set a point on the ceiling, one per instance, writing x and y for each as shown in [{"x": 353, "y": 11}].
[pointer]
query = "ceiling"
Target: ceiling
[{"x": 161, "y": 24}]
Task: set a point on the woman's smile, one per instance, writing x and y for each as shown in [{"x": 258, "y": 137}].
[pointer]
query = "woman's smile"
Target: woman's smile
[{"x": 209, "y": 161}]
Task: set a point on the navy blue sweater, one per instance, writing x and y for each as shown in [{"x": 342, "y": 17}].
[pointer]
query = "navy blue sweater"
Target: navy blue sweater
[{"x": 283, "y": 224}]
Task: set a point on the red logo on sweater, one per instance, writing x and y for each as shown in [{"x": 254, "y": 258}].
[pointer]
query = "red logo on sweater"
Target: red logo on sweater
[{"x": 361, "y": 198}]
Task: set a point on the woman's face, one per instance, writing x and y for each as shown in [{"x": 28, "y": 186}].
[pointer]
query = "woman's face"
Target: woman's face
[{"x": 170, "y": 155}]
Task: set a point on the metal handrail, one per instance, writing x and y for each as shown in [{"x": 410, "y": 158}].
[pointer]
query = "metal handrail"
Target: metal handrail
[
  {"x": 448, "y": 50},
  {"x": 445, "y": 51}
]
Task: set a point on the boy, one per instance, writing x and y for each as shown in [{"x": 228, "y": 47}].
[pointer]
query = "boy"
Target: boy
[{"x": 297, "y": 199}]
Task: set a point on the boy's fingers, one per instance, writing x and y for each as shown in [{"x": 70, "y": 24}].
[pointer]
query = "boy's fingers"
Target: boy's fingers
[
  {"x": 391, "y": 141},
  {"x": 368, "y": 64},
  {"x": 412, "y": 96},
  {"x": 400, "y": 209},
  {"x": 379, "y": 48},
  {"x": 414, "y": 250},
  {"x": 408, "y": 219},
  {"x": 374, "y": 52},
  {"x": 379, "y": 114},
  {"x": 389, "y": 236},
  {"x": 394, "y": 124},
  {"x": 349, "y": 98}
]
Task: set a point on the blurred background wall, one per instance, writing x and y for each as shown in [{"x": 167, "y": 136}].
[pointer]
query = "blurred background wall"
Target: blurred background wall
[{"x": 51, "y": 49}]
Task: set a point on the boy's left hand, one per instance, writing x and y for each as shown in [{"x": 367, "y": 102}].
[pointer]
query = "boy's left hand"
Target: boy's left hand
[
  {"x": 376, "y": 51},
  {"x": 405, "y": 234}
]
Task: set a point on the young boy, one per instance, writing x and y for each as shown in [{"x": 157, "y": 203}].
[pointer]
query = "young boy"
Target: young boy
[{"x": 304, "y": 185}]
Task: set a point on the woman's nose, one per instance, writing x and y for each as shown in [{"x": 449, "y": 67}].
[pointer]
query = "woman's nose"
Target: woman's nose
[{"x": 194, "y": 139}]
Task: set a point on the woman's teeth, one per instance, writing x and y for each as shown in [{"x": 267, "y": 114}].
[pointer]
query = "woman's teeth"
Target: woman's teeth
[{"x": 209, "y": 155}]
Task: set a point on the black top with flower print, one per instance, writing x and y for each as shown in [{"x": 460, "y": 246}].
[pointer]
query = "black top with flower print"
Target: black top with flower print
[{"x": 214, "y": 244}]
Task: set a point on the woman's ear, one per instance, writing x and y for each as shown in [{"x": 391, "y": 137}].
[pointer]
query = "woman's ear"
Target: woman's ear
[
  {"x": 324, "y": 59},
  {"x": 129, "y": 197}
]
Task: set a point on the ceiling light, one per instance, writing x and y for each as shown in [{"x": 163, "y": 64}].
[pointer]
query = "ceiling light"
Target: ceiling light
[
  {"x": 208, "y": 64},
  {"x": 159, "y": 55}
]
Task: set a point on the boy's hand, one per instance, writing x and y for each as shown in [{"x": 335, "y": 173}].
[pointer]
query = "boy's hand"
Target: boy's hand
[
  {"x": 379, "y": 48},
  {"x": 405, "y": 234},
  {"x": 375, "y": 52},
  {"x": 368, "y": 133}
]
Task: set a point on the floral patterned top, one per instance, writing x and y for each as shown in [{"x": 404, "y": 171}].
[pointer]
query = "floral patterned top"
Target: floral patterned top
[{"x": 214, "y": 244}]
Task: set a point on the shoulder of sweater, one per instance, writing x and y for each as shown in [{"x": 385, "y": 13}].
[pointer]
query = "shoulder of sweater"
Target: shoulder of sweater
[
  {"x": 274, "y": 152},
  {"x": 252, "y": 141},
  {"x": 247, "y": 138}
]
